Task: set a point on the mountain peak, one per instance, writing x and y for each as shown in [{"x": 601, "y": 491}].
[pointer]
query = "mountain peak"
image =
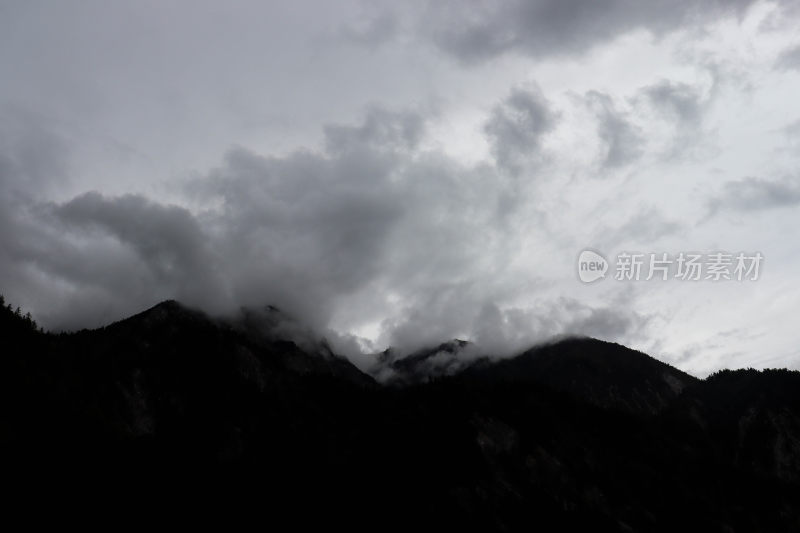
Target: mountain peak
[
  {"x": 603, "y": 373},
  {"x": 424, "y": 364}
]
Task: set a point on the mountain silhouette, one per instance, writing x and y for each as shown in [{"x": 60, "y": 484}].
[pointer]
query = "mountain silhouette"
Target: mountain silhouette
[
  {"x": 173, "y": 411},
  {"x": 604, "y": 374}
]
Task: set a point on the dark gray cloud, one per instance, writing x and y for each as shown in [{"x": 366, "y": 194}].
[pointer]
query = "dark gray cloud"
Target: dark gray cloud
[
  {"x": 481, "y": 30},
  {"x": 167, "y": 239},
  {"x": 789, "y": 59},
  {"x": 623, "y": 140},
  {"x": 93, "y": 258},
  {"x": 756, "y": 194},
  {"x": 68, "y": 280},
  {"x": 516, "y": 127},
  {"x": 382, "y": 128},
  {"x": 318, "y": 224},
  {"x": 684, "y": 106},
  {"x": 681, "y": 101}
]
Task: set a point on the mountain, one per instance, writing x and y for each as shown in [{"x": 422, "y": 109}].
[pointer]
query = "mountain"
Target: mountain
[
  {"x": 174, "y": 413},
  {"x": 603, "y": 374},
  {"x": 751, "y": 417},
  {"x": 423, "y": 365}
]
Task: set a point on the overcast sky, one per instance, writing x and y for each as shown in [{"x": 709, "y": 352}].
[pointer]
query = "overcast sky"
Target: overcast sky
[{"x": 403, "y": 173}]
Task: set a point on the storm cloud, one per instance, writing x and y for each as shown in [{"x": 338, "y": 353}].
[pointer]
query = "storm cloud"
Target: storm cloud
[{"x": 399, "y": 175}]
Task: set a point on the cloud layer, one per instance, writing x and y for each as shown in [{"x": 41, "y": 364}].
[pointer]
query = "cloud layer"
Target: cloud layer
[
  {"x": 403, "y": 175},
  {"x": 373, "y": 228}
]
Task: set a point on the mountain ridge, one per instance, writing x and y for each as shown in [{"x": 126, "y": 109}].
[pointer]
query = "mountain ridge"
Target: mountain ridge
[{"x": 574, "y": 435}]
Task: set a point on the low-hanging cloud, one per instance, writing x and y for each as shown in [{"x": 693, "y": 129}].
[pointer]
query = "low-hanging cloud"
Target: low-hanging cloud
[
  {"x": 167, "y": 239},
  {"x": 373, "y": 228}
]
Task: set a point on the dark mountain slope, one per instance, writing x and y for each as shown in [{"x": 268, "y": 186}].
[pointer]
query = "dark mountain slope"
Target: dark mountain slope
[
  {"x": 751, "y": 417},
  {"x": 602, "y": 373},
  {"x": 173, "y": 411},
  {"x": 169, "y": 381}
]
